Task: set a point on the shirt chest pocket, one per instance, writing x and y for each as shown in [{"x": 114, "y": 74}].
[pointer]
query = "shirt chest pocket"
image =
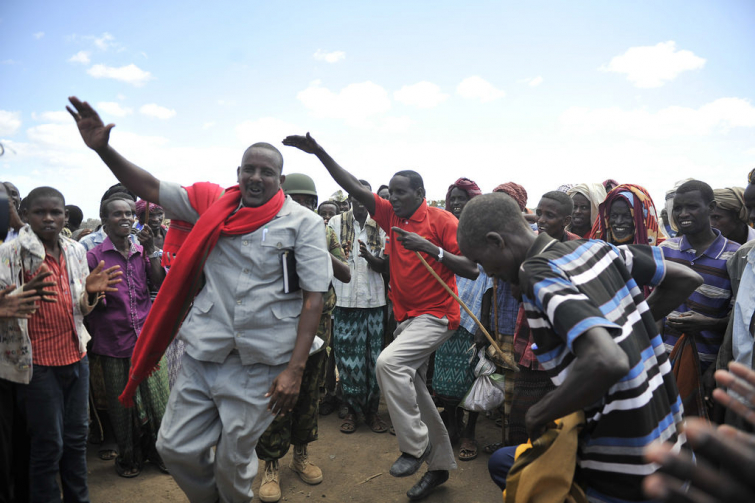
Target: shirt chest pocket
[{"x": 267, "y": 258}]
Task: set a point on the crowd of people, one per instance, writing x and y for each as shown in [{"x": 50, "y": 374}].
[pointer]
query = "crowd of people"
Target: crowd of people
[{"x": 211, "y": 327}]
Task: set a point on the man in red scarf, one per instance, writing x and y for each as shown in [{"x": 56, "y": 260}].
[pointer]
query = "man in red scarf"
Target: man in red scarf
[{"x": 258, "y": 265}]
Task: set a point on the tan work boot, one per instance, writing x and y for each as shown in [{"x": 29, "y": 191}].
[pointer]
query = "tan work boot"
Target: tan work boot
[
  {"x": 308, "y": 472},
  {"x": 270, "y": 489}
]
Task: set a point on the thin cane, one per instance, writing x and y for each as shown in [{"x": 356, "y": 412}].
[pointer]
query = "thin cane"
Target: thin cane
[{"x": 506, "y": 358}]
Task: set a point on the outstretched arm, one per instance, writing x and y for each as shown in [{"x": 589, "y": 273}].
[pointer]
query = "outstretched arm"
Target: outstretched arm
[
  {"x": 346, "y": 180},
  {"x": 96, "y": 135}
]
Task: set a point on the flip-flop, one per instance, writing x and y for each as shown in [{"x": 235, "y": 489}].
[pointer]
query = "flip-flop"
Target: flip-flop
[
  {"x": 349, "y": 424},
  {"x": 468, "y": 449}
]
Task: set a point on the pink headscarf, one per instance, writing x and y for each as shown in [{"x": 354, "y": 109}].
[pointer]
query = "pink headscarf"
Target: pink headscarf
[
  {"x": 141, "y": 206},
  {"x": 516, "y": 191},
  {"x": 466, "y": 185}
]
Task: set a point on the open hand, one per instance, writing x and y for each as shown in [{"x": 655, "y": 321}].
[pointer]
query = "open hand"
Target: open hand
[
  {"x": 22, "y": 305},
  {"x": 38, "y": 285},
  {"x": 283, "y": 392},
  {"x": 304, "y": 143},
  {"x": 94, "y": 132},
  {"x": 102, "y": 280}
]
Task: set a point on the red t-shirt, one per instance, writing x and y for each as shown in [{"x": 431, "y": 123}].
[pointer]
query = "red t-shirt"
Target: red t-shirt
[{"x": 414, "y": 291}]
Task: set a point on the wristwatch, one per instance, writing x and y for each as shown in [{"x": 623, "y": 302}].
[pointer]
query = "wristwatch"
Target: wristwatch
[
  {"x": 440, "y": 254},
  {"x": 156, "y": 254}
]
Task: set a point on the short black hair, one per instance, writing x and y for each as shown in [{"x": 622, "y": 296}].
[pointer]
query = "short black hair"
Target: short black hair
[
  {"x": 266, "y": 146},
  {"x": 40, "y": 192},
  {"x": 497, "y": 212},
  {"x": 75, "y": 215},
  {"x": 118, "y": 188},
  {"x": 705, "y": 190},
  {"x": 382, "y": 187},
  {"x": 329, "y": 201},
  {"x": 115, "y": 197},
  {"x": 366, "y": 184},
  {"x": 415, "y": 179},
  {"x": 564, "y": 201}
]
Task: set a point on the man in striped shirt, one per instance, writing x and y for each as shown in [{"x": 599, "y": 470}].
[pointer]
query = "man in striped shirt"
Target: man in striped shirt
[
  {"x": 705, "y": 313},
  {"x": 595, "y": 335}
]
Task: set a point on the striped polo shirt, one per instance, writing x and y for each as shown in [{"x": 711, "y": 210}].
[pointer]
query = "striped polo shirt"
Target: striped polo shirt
[
  {"x": 572, "y": 287},
  {"x": 712, "y": 299}
]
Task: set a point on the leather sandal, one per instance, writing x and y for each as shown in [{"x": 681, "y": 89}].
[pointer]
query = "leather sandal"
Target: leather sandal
[{"x": 349, "y": 424}]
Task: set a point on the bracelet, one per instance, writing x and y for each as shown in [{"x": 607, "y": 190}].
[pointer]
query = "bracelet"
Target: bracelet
[{"x": 440, "y": 254}]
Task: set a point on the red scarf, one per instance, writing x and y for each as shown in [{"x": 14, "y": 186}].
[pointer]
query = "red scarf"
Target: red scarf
[{"x": 182, "y": 282}]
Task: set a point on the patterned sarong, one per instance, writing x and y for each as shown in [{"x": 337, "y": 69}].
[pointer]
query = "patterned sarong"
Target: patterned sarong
[
  {"x": 135, "y": 427},
  {"x": 454, "y": 373},
  {"x": 357, "y": 342}
]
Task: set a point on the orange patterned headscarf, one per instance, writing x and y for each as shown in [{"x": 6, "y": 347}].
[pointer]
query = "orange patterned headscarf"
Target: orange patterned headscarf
[{"x": 646, "y": 229}]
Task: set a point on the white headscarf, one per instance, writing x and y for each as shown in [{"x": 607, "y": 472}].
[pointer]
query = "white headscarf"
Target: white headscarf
[{"x": 594, "y": 192}]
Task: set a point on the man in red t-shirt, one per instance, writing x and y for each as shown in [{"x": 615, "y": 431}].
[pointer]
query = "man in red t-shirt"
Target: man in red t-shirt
[{"x": 427, "y": 316}]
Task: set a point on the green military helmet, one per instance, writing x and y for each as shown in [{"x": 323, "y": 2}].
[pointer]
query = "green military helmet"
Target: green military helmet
[{"x": 299, "y": 183}]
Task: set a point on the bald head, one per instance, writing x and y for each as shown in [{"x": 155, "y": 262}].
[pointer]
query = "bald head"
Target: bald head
[
  {"x": 496, "y": 212},
  {"x": 269, "y": 150}
]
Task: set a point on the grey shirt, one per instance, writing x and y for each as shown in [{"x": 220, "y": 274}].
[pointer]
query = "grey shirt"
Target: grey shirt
[{"x": 242, "y": 305}]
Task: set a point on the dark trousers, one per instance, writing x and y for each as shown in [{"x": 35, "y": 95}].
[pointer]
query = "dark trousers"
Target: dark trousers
[
  {"x": 55, "y": 402},
  {"x": 14, "y": 447},
  {"x": 500, "y": 464}
]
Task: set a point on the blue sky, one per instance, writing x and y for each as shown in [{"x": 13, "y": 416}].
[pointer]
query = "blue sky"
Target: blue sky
[{"x": 540, "y": 93}]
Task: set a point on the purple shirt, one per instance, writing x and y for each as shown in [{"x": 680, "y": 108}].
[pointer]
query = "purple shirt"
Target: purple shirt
[{"x": 117, "y": 320}]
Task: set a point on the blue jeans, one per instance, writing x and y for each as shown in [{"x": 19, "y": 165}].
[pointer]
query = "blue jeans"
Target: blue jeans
[
  {"x": 500, "y": 463},
  {"x": 55, "y": 403}
]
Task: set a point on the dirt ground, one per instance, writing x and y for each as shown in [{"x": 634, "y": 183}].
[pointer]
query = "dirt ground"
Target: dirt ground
[{"x": 355, "y": 469}]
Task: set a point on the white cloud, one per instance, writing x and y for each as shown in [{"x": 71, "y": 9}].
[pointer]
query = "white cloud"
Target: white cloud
[
  {"x": 716, "y": 117},
  {"x": 653, "y": 66},
  {"x": 80, "y": 57},
  {"x": 536, "y": 81},
  {"x": 9, "y": 122},
  {"x": 131, "y": 74},
  {"x": 208, "y": 125},
  {"x": 356, "y": 103},
  {"x": 104, "y": 42},
  {"x": 57, "y": 117},
  {"x": 480, "y": 89},
  {"x": 396, "y": 124},
  {"x": 421, "y": 95},
  {"x": 329, "y": 57},
  {"x": 268, "y": 129},
  {"x": 155, "y": 110},
  {"x": 113, "y": 108},
  {"x": 120, "y": 96},
  {"x": 39, "y": 35}
]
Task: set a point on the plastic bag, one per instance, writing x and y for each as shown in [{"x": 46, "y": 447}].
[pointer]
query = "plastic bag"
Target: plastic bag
[{"x": 486, "y": 392}]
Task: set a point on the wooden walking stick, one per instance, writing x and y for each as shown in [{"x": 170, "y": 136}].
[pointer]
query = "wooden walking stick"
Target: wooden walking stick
[{"x": 506, "y": 358}]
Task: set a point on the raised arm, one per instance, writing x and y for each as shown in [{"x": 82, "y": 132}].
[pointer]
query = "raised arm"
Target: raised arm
[
  {"x": 346, "y": 180},
  {"x": 96, "y": 135}
]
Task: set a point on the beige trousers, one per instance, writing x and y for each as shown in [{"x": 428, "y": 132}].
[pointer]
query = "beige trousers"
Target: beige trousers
[{"x": 401, "y": 372}]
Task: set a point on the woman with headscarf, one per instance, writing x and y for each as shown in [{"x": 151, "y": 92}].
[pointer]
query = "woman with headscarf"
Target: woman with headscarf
[
  {"x": 627, "y": 216},
  {"x": 454, "y": 364},
  {"x": 730, "y": 215},
  {"x": 587, "y": 197}
]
